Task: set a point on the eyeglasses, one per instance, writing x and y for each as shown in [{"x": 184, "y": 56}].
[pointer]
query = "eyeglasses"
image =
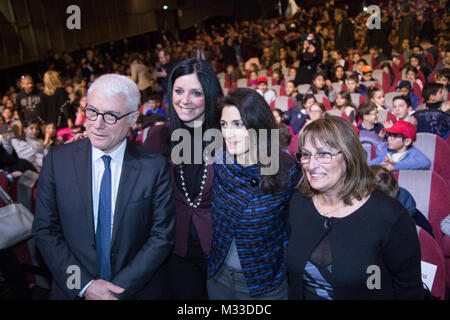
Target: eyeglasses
[
  {"x": 321, "y": 157},
  {"x": 395, "y": 135},
  {"x": 108, "y": 117}
]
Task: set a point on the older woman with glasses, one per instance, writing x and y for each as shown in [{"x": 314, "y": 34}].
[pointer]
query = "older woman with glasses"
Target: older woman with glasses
[{"x": 347, "y": 240}]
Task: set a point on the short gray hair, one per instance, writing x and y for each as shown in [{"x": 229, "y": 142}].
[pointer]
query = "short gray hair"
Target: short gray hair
[{"x": 111, "y": 85}]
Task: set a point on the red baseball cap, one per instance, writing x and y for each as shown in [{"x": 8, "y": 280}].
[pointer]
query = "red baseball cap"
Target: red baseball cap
[
  {"x": 404, "y": 127},
  {"x": 262, "y": 79}
]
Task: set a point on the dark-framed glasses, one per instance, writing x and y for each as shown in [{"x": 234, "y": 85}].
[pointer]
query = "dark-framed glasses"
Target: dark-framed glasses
[
  {"x": 321, "y": 157},
  {"x": 108, "y": 117}
]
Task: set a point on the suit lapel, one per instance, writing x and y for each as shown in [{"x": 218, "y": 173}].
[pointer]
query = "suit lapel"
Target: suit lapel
[
  {"x": 82, "y": 161},
  {"x": 130, "y": 172}
]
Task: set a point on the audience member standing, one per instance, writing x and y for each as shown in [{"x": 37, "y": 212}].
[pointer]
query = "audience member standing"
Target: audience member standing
[
  {"x": 193, "y": 90},
  {"x": 28, "y": 100},
  {"x": 55, "y": 101}
]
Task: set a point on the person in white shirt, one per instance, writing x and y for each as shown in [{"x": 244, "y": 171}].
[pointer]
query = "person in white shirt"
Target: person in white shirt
[
  {"x": 29, "y": 146},
  {"x": 104, "y": 206},
  {"x": 268, "y": 94}
]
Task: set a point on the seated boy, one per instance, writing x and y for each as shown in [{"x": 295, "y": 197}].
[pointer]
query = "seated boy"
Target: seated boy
[
  {"x": 152, "y": 106},
  {"x": 368, "y": 113},
  {"x": 268, "y": 94},
  {"x": 434, "y": 94},
  {"x": 354, "y": 86},
  {"x": 402, "y": 109},
  {"x": 443, "y": 77},
  {"x": 400, "y": 154},
  {"x": 367, "y": 73},
  {"x": 405, "y": 89},
  {"x": 386, "y": 182}
]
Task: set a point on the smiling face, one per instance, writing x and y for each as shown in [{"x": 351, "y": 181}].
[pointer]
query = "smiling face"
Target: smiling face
[
  {"x": 188, "y": 99},
  {"x": 102, "y": 135},
  {"x": 378, "y": 98},
  {"x": 323, "y": 177},
  {"x": 234, "y": 131},
  {"x": 262, "y": 86},
  {"x": 50, "y": 130},
  {"x": 315, "y": 112},
  {"x": 27, "y": 85},
  {"x": 290, "y": 88},
  {"x": 411, "y": 76}
]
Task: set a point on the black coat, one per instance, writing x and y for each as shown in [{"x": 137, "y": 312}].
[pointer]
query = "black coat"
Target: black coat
[
  {"x": 144, "y": 220},
  {"x": 380, "y": 233},
  {"x": 346, "y": 38}
]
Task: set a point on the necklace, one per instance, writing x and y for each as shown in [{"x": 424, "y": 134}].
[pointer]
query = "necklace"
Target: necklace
[
  {"x": 202, "y": 186},
  {"x": 326, "y": 214}
]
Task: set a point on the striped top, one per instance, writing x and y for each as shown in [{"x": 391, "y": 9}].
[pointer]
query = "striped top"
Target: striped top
[{"x": 256, "y": 222}]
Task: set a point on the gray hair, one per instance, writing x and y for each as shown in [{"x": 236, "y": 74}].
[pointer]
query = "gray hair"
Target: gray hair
[{"x": 111, "y": 85}]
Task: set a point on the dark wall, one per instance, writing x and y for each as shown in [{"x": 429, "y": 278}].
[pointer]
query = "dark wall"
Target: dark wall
[{"x": 29, "y": 29}]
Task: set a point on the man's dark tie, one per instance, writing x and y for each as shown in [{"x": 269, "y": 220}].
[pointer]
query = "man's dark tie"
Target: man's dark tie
[{"x": 103, "y": 234}]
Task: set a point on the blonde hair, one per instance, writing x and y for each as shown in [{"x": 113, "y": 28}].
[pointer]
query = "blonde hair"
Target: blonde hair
[{"x": 51, "y": 82}]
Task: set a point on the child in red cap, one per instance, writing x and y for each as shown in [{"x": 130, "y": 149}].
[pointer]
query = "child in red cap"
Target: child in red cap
[
  {"x": 400, "y": 154},
  {"x": 268, "y": 94}
]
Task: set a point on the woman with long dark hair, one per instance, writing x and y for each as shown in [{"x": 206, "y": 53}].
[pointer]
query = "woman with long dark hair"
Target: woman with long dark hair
[
  {"x": 193, "y": 88},
  {"x": 250, "y": 195}
]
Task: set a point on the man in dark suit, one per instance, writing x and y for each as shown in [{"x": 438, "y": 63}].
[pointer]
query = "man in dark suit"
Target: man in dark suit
[{"x": 104, "y": 209}]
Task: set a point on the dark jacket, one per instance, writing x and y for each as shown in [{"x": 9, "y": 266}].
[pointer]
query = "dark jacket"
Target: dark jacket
[
  {"x": 144, "y": 219},
  {"x": 380, "y": 234},
  {"x": 407, "y": 200},
  {"x": 433, "y": 121},
  {"x": 255, "y": 220},
  {"x": 345, "y": 38},
  {"x": 28, "y": 106},
  {"x": 55, "y": 108}
]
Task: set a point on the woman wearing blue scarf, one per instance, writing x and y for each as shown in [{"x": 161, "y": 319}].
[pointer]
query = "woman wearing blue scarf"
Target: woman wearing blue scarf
[{"x": 250, "y": 196}]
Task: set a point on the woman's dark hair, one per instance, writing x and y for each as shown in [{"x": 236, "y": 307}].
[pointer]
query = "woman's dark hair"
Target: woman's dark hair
[
  {"x": 366, "y": 108},
  {"x": 306, "y": 97},
  {"x": 280, "y": 113},
  {"x": 344, "y": 76},
  {"x": 314, "y": 89},
  {"x": 256, "y": 114},
  {"x": 345, "y": 94},
  {"x": 385, "y": 181},
  {"x": 387, "y": 65},
  {"x": 210, "y": 85},
  {"x": 411, "y": 68},
  {"x": 371, "y": 92},
  {"x": 29, "y": 123}
]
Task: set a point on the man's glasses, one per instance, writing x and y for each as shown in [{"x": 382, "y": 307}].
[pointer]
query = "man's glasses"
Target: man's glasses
[
  {"x": 321, "y": 157},
  {"x": 395, "y": 135},
  {"x": 108, "y": 117}
]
